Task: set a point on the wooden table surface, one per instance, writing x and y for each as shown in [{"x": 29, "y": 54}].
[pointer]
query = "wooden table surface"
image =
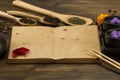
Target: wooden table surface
[{"x": 88, "y": 8}]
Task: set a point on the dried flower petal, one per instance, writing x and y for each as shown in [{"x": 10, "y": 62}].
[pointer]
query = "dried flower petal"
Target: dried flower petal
[
  {"x": 100, "y": 18},
  {"x": 115, "y": 11},
  {"x": 20, "y": 52},
  {"x": 109, "y": 10}
]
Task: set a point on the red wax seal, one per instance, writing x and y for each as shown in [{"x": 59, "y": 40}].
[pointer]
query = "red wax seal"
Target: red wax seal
[{"x": 22, "y": 51}]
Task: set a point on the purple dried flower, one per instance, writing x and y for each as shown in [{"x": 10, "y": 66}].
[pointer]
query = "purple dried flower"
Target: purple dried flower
[
  {"x": 112, "y": 21},
  {"x": 118, "y": 21},
  {"x": 115, "y": 20},
  {"x": 118, "y": 33},
  {"x": 115, "y": 34}
]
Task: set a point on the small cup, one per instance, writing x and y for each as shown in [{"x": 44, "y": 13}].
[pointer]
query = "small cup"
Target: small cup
[
  {"x": 112, "y": 38},
  {"x": 109, "y": 24}
]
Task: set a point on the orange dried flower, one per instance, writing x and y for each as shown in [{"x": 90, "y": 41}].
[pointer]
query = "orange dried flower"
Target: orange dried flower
[{"x": 100, "y": 18}]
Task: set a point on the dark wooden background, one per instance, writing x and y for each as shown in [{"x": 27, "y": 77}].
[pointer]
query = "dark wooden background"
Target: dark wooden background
[{"x": 88, "y": 8}]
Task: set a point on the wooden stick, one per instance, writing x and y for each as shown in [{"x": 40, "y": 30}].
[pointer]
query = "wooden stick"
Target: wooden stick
[
  {"x": 104, "y": 59},
  {"x": 108, "y": 58}
]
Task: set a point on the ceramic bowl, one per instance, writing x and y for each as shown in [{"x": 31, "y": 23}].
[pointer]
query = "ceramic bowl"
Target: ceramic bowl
[
  {"x": 107, "y": 23},
  {"x": 112, "y": 39}
]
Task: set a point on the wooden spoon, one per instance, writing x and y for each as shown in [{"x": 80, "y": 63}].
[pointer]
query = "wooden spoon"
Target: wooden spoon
[
  {"x": 39, "y": 18},
  {"x": 6, "y": 15},
  {"x": 63, "y": 17}
]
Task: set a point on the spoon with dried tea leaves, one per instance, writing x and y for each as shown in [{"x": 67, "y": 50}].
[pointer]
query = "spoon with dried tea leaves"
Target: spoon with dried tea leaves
[
  {"x": 45, "y": 20},
  {"x": 67, "y": 19},
  {"x": 22, "y": 21}
]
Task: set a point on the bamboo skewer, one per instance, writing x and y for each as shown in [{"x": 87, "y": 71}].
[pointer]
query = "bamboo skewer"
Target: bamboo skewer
[{"x": 110, "y": 61}]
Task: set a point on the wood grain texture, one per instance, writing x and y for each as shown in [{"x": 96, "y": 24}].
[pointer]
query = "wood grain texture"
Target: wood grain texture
[{"x": 88, "y": 8}]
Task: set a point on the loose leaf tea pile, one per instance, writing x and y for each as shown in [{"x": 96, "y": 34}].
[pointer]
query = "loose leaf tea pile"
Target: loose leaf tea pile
[
  {"x": 4, "y": 26},
  {"x": 27, "y": 20},
  {"x": 75, "y": 20},
  {"x": 52, "y": 20}
]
